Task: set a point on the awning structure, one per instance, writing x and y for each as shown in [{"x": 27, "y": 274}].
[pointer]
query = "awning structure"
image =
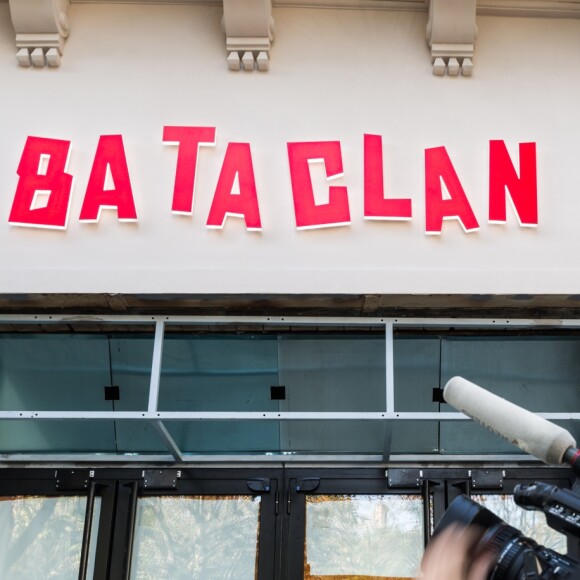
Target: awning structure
[{"x": 161, "y": 420}]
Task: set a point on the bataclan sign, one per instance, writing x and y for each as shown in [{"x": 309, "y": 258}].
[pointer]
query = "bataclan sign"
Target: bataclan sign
[{"x": 43, "y": 194}]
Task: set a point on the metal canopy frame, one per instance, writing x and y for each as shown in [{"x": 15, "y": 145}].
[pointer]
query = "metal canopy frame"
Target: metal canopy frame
[{"x": 158, "y": 418}]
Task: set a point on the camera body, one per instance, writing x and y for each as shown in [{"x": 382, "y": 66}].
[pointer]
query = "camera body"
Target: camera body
[{"x": 516, "y": 557}]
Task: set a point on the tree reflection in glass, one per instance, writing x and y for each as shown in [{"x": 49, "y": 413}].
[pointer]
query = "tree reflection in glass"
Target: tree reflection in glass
[
  {"x": 203, "y": 537},
  {"x": 531, "y": 523},
  {"x": 363, "y": 537},
  {"x": 41, "y": 537}
]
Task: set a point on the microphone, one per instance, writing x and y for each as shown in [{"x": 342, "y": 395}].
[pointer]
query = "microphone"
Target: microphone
[{"x": 535, "y": 435}]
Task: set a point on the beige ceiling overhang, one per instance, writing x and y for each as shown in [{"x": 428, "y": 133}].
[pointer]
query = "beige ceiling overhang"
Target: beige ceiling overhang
[{"x": 42, "y": 26}]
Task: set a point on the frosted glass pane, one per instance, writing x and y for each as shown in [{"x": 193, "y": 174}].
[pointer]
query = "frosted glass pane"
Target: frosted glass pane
[
  {"x": 218, "y": 374},
  {"x": 221, "y": 437},
  {"x": 531, "y": 524},
  {"x": 41, "y": 537},
  {"x": 416, "y": 372},
  {"x": 54, "y": 373},
  {"x": 338, "y": 373},
  {"x": 360, "y": 536},
  {"x": 203, "y": 537},
  {"x": 539, "y": 374},
  {"x": 335, "y": 437},
  {"x": 223, "y": 373},
  {"x": 131, "y": 358}
]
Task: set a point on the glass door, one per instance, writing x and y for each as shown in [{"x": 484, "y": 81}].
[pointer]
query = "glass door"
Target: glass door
[
  {"x": 51, "y": 523},
  {"x": 47, "y": 530},
  {"x": 244, "y": 523},
  {"x": 198, "y": 523},
  {"x": 346, "y": 526},
  {"x": 363, "y": 536},
  {"x": 197, "y": 536}
]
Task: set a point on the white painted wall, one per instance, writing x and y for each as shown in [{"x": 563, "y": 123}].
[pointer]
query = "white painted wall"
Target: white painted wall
[{"x": 334, "y": 75}]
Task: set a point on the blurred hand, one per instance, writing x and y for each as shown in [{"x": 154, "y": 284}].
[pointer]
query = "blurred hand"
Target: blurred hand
[{"x": 447, "y": 557}]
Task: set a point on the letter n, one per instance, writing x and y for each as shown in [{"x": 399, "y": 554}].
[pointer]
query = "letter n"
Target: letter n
[{"x": 503, "y": 180}]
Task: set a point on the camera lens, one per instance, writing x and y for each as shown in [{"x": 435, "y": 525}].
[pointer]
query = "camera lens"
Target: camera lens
[
  {"x": 466, "y": 512},
  {"x": 514, "y": 554}
]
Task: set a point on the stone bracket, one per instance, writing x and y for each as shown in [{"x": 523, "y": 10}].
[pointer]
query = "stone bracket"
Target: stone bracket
[
  {"x": 249, "y": 29},
  {"x": 41, "y": 29},
  {"x": 451, "y": 33}
]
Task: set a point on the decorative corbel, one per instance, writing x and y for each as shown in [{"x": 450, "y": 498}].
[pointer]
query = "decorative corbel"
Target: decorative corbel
[
  {"x": 41, "y": 28},
  {"x": 249, "y": 29},
  {"x": 451, "y": 33}
]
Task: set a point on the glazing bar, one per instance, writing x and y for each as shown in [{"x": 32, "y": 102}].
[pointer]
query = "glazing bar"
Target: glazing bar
[
  {"x": 168, "y": 440},
  {"x": 250, "y": 416},
  {"x": 389, "y": 366},
  {"x": 156, "y": 366},
  {"x": 87, "y": 532}
]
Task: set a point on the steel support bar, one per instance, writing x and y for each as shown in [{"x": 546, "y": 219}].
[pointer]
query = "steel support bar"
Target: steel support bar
[
  {"x": 293, "y": 321},
  {"x": 168, "y": 440},
  {"x": 156, "y": 367},
  {"x": 89, "y": 513},
  {"x": 388, "y": 441},
  {"x": 248, "y": 416},
  {"x": 390, "y": 368},
  {"x": 211, "y": 460}
]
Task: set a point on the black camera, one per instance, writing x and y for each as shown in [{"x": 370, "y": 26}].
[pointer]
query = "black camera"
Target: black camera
[{"x": 516, "y": 557}]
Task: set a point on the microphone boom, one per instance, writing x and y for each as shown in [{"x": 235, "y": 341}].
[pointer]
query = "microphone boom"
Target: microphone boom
[{"x": 535, "y": 435}]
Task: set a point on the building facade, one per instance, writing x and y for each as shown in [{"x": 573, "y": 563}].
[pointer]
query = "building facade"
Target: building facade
[{"x": 244, "y": 244}]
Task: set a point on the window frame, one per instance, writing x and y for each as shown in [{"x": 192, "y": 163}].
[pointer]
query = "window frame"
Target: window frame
[{"x": 283, "y": 506}]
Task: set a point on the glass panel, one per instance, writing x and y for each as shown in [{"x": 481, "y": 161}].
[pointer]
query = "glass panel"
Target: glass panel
[
  {"x": 338, "y": 373},
  {"x": 363, "y": 536},
  {"x": 201, "y": 537},
  {"x": 41, "y": 537},
  {"x": 131, "y": 359},
  {"x": 539, "y": 374},
  {"x": 238, "y": 437},
  {"x": 201, "y": 373},
  {"x": 225, "y": 437},
  {"x": 531, "y": 523},
  {"x": 417, "y": 363},
  {"x": 336, "y": 437},
  {"x": 54, "y": 373}
]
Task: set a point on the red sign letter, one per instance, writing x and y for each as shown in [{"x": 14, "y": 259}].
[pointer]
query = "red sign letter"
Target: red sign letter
[
  {"x": 308, "y": 214},
  {"x": 42, "y": 170},
  {"x": 523, "y": 190},
  {"x": 109, "y": 158},
  {"x": 376, "y": 206},
  {"x": 237, "y": 164},
  {"x": 438, "y": 167},
  {"x": 189, "y": 140}
]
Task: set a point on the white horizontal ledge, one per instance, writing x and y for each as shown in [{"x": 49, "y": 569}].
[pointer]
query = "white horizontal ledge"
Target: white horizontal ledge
[
  {"x": 537, "y": 8},
  {"x": 432, "y": 323},
  {"x": 405, "y": 5},
  {"x": 246, "y": 416},
  {"x": 273, "y": 458},
  {"x": 540, "y": 8}
]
